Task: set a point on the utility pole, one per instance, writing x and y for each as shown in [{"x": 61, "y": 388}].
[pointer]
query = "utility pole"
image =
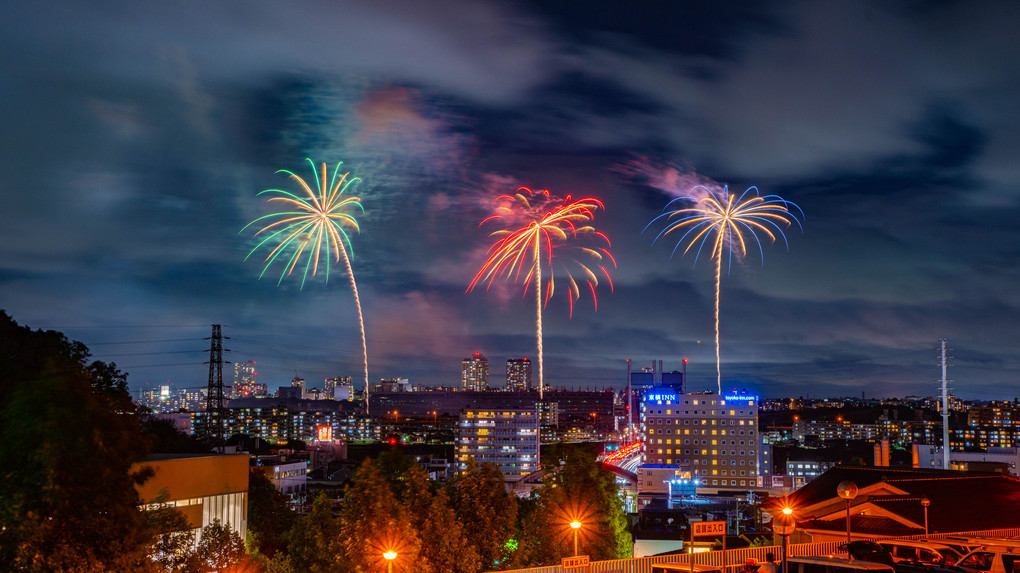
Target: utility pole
[
  {"x": 944, "y": 351},
  {"x": 214, "y": 391}
]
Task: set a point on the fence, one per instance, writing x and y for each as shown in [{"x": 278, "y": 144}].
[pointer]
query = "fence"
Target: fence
[{"x": 733, "y": 559}]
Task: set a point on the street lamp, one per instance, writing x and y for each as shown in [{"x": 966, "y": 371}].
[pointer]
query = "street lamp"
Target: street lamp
[
  {"x": 847, "y": 490},
  {"x": 925, "y": 502},
  {"x": 784, "y": 525},
  {"x": 389, "y": 556},
  {"x": 575, "y": 525}
]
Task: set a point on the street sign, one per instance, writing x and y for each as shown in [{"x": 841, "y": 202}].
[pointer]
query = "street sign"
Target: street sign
[
  {"x": 708, "y": 528},
  {"x": 576, "y": 561}
]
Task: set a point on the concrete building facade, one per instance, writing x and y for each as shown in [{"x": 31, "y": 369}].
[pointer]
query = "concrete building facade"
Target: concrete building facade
[
  {"x": 507, "y": 438},
  {"x": 203, "y": 487}
]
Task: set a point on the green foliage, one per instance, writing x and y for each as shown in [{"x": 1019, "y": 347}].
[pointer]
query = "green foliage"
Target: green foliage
[
  {"x": 261, "y": 563},
  {"x": 219, "y": 547},
  {"x": 446, "y": 547},
  {"x": 581, "y": 492},
  {"x": 269, "y": 515},
  {"x": 67, "y": 442},
  {"x": 486, "y": 510},
  {"x": 165, "y": 438},
  {"x": 395, "y": 466},
  {"x": 173, "y": 539},
  {"x": 373, "y": 522},
  {"x": 314, "y": 545}
]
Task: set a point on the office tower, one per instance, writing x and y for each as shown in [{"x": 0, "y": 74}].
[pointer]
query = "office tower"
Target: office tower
[
  {"x": 506, "y": 438},
  {"x": 338, "y": 388},
  {"x": 714, "y": 437},
  {"x": 298, "y": 383},
  {"x": 244, "y": 379},
  {"x": 518, "y": 374},
  {"x": 674, "y": 380},
  {"x": 475, "y": 373}
]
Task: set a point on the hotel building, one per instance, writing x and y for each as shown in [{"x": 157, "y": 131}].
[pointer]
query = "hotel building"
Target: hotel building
[{"x": 714, "y": 437}]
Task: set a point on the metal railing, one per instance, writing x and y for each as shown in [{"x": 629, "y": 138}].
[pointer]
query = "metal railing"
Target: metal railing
[{"x": 734, "y": 558}]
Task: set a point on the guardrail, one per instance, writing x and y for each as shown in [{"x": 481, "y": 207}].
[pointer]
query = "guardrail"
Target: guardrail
[{"x": 734, "y": 558}]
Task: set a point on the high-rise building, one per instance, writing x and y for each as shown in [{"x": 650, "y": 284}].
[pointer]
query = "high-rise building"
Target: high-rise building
[
  {"x": 714, "y": 437},
  {"x": 518, "y": 374},
  {"x": 298, "y": 383},
  {"x": 474, "y": 373},
  {"x": 338, "y": 388},
  {"x": 504, "y": 437},
  {"x": 244, "y": 379}
]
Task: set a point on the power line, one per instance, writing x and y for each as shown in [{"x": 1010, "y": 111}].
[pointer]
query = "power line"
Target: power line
[
  {"x": 144, "y": 341},
  {"x": 128, "y": 326},
  {"x": 136, "y": 367},
  {"x": 153, "y": 353}
]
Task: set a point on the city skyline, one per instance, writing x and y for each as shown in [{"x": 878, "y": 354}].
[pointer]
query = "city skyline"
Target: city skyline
[{"x": 135, "y": 143}]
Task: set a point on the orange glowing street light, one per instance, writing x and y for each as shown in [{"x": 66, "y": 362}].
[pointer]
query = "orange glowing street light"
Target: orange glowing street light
[
  {"x": 575, "y": 525},
  {"x": 389, "y": 556},
  {"x": 784, "y": 525}
]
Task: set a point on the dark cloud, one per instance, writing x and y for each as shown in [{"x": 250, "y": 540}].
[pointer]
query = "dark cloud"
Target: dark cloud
[
  {"x": 692, "y": 29},
  {"x": 136, "y": 138}
]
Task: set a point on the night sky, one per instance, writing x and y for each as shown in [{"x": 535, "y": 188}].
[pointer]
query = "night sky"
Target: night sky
[{"x": 136, "y": 135}]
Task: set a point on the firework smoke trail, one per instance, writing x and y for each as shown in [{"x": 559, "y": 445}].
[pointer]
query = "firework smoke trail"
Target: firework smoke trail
[
  {"x": 539, "y": 227},
  {"x": 732, "y": 221},
  {"x": 538, "y": 327},
  {"x": 361, "y": 322},
  {"x": 315, "y": 222}
]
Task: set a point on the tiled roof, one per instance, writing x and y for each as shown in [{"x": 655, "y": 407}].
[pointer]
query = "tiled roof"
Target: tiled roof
[
  {"x": 959, "y": 501},
  {"x": 864, "y": 524}
]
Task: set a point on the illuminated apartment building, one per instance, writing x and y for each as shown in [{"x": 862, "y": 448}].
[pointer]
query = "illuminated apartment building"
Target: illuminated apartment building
[
  {"x": 518, "y": 374},
  {"x": 244, "y": 379},
  {"x": 279, "y": 424},
  {"x": 506, "y": 438},
  {"x": 475, "y": 373},
  {"x": 715, "y": 436}
]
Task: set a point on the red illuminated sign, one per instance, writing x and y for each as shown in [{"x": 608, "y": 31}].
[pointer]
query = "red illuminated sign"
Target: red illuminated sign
[
  {"x": 576, "y": 561},
  {"x": 709, "y": 528}
]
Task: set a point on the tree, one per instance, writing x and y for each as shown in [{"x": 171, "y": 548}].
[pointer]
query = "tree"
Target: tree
[
  {"x": 68, "y": 438},
  {"x": 446, "y": 547},
  {"x": 372, "y": 522},
  {"x": 165, "y": 438},
  {"x": 313, "y": 538},
  {"x": 67, "y": 495},
  {"x": 579, "y": 492},
  {"x": 395, "y": 466},
  {"x": 173, "y": 539},
  {"x": 486, "y": 510},
  {"x": 219, "y": 547},
  {"x": 269, "y": 515}
]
